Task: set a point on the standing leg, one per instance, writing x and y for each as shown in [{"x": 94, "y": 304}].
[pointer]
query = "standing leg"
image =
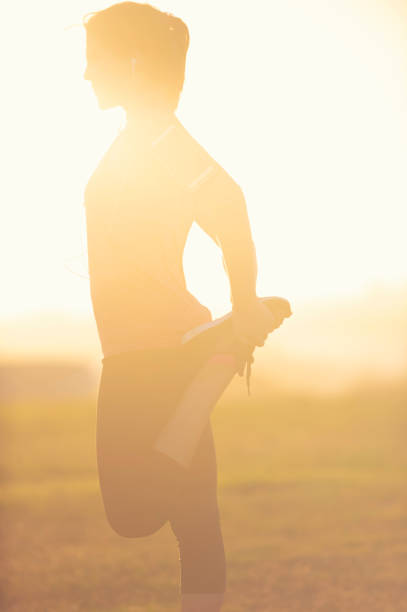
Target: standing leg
[{"x": 195, "y": 521}]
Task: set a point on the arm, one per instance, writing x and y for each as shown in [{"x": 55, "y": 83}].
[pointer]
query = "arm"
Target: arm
[
  {"x": 219, "y": 209},
  {"x": 222, "y": 213}
]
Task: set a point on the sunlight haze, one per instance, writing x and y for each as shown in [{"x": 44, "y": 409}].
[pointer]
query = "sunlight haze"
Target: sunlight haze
[{"x": 304, "y": 105}]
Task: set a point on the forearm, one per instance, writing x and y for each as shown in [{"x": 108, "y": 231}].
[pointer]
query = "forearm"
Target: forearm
[
  {"x": 240, "y": 263},
  {"x": 226, "y": 220}
]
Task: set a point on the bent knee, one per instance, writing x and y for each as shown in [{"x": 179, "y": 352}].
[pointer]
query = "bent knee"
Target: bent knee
[{"x": 135, "y": 524}]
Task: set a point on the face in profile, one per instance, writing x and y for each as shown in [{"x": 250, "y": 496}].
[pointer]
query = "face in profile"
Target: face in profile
[
  {"x": 142, "y": 76},
  {"x": 109, "y": 76}
]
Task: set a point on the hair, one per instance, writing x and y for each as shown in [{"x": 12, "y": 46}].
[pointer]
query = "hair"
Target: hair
[{"x": 159, "y": 39}]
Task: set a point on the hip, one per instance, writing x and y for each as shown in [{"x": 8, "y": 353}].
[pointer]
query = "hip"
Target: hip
[
  {"x": 139, "y": 389},
  {"x": 155, "y": 364}
]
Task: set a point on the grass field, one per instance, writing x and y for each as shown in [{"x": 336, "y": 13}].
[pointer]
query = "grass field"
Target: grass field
[{"x": 313, "y": 501}]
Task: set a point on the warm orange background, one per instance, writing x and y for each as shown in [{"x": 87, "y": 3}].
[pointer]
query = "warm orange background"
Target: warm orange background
[{"x": 303, "y": 104}]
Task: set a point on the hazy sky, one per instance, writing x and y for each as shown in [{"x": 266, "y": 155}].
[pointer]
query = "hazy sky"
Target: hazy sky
[{"x": 303, "y": 103}]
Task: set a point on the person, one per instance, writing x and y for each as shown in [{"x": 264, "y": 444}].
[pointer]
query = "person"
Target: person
[{"x": 152, "y": 183}]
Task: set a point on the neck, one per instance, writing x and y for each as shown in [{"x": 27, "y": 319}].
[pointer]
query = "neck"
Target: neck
[{"x": 147, "y": 118}]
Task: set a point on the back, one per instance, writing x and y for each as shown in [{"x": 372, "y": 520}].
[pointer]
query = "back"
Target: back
[{"x": 140, "y": 204}]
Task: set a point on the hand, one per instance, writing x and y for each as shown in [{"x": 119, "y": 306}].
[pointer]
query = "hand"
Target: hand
[{"x": 253, "y": 323}]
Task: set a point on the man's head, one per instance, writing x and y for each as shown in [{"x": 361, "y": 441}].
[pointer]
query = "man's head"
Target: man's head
[{"x": 136, "y": 56}]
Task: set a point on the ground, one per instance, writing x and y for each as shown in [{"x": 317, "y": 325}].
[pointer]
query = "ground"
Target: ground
[{"x": 312, "y": 493}]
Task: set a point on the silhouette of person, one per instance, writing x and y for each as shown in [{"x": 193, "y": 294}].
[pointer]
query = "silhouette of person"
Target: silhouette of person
[{"x": 150, "y": 186}]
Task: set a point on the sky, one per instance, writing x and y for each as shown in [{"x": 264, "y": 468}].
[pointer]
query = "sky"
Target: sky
[{"x": 304, "y": 104}]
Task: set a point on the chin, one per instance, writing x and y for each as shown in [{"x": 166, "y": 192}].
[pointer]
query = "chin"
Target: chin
[
  {"x": 103, "y": 104},
  {"x": 103, "y": 101},
  {"x": 106, "y": 104}
]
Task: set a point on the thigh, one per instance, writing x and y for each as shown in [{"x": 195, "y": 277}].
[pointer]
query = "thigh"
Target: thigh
[
  {"x": 135, "y": 395},
  {"x": 135, "y": 398},
  {"x": 138, "y": 393}
]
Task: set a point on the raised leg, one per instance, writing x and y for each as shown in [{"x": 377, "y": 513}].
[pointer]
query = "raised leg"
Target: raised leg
[{"x": 180, "y": 436}]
